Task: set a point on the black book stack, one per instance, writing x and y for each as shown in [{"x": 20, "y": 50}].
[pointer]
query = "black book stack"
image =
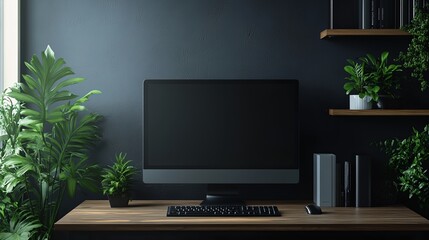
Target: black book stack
[
  {"x": 375, "y": 14},
  {"x": 357, "y": 182},
  {"x": 385, "y": 13}
]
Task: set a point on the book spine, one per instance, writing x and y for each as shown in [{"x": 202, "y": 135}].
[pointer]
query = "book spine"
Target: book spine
[
  {"x": 375, "y": 13},
  {"x": 347, "y": 184},
  {"x": 401, "y": 14},
  {"x": 364, "y": 14},
  {"x": 410, "y": 11},
  {"x": 363, "y": 181},
  {"x": 379, "y": 23},
  {"x": 332, "y": 15},
  {"x": 340, "y": 184}
]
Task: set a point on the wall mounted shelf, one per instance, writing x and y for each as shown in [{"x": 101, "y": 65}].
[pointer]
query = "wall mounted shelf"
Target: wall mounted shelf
[
  {"x": 328, "y": 33},
  {"x": 379, "y": 112}
]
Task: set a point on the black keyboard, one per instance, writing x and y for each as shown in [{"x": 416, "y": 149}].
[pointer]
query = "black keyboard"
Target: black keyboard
[{"x": 222, "y": 211}]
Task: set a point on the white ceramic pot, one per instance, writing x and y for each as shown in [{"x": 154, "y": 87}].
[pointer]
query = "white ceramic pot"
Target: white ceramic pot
[{"x": 357, "y": 103}]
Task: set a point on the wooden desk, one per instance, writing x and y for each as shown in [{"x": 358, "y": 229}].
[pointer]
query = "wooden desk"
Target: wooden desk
[{"x": 96, "y": 215}]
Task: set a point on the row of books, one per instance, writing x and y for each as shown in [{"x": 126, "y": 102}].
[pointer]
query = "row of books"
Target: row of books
[
  {"x": 373, "y": 14},
  {"x": 342, "y": 183}
]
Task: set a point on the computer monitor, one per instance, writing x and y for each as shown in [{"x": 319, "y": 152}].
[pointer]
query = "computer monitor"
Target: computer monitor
[{"x": 220, "y": 131}]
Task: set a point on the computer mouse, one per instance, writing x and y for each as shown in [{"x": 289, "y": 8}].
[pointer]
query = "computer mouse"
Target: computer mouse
[{"x": 313, "y": 209}]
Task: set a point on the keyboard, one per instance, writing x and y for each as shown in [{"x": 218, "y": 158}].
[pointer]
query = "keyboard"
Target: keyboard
[{"x": 222, "y": 211}]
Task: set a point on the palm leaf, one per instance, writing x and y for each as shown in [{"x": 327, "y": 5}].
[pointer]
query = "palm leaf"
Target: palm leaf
[
  {"x": 22, "y": 226},
  {"x": 39, "y": 89}
]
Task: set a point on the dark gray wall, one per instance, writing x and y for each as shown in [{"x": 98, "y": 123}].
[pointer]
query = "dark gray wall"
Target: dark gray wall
[{"x": 116, "y": 44}]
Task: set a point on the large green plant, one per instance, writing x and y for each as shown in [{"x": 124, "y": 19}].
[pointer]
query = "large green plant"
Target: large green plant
[
  {"x": 46, "y": 146},
  {"x": 416, "y": 57},
  {"x": 409, "y": 159}
]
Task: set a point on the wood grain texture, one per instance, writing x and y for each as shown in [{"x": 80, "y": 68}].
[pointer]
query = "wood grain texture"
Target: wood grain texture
[
  {"x": 150, "y": 215},
  {"x": 379, "y": 112},
  {"x": 327, "y": 33}
]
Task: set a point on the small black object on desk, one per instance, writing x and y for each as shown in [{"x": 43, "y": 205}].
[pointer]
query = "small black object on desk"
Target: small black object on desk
[{"x": 313, "y": 209}]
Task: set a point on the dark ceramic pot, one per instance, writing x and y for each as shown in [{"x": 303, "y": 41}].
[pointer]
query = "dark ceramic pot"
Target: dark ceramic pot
[
  {"x": 119, "y": 201},
  {"x": 387, "y": 102}
]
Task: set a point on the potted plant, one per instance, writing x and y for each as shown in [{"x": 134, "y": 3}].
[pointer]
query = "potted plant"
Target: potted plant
[
  {"x": 384, "y": 75},
  {"x": 116, "y": 181},
  {"x": 372, "y": 79},
  {"x": 360, "y": 82},
  {"x": 409, "y": 160},
  {"x": 46, "y": 138},
  {"x": 416, "y": 57}
]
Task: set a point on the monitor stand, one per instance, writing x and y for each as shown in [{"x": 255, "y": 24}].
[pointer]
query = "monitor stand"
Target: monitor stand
[{"x": 222, "y": 195}]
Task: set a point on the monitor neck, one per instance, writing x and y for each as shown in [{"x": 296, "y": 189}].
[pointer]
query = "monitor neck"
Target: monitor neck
[{"x": 218, "y": 194}]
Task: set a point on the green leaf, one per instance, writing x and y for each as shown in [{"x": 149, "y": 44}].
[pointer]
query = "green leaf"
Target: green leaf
[
  {"x": 372, "y": 59},
  {"x": 68, "y": 82},
  {"x": 30, "y": 81},
  {"x": 348, "y": 86},
  {"x": 30, "y": 112},
  {"x": 350, "y": 70},
  {"x": 61, "y": 96},
  {"x": 376, "y": 89},
  {"x": 45, "y": 190},
  {"x": 71, "y": 186},
  {"x": 29, "y": 122},
  {"x": 86, "y": 97},
  {"x": 384, "y": 56},
  {"x": 49, "y": 53},
  {"x": 24, "y": 98},
  {"x": 54, "y": 117}
]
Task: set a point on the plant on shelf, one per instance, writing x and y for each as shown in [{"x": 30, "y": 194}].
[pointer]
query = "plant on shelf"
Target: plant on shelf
[
  {"x": 416, "y": 57},
  {"x": 409, "y": 160},
  {"x": 371, "y": 76},
  {"x": 361, "y": 83},
  {"x": 46, "y": 137},
  {"x": 384, "y": 75},
  {"x": 117, "y": 179}
]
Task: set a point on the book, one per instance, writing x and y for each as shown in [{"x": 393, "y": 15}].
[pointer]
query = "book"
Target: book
[
  {"x": 387, "y": 13},
  {"x": 363, "y": 181},
  {"x": 375, "y": 4},
  {"x": 357, "y": 182},
  {"x": 340, "y": 184},
  {"x": 365, "y": 14},
  {"x": 344, "y": 14},
  {"x": 324, "y": 179},
  {"x": 348, "y": 184}
]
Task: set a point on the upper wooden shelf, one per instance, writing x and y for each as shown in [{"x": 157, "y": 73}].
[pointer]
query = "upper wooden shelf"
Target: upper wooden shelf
[
  {"x": 327, "y": 33},
  {"x": 379, "y": 112}
]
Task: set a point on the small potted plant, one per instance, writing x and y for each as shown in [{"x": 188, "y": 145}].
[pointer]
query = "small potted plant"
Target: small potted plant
[
  {"x": 373, "y": 79},
  {"x": 116, "y": 181},
  {"x": 384, "y": 75},
  {"x": 361, "y": 83}
]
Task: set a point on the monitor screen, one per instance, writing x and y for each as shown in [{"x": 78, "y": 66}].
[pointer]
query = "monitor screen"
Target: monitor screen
[{"x": 220, "y": 131}]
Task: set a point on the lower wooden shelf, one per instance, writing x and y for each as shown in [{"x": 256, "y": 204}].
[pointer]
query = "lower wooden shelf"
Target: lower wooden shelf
[{"x": 379, "y": 112}]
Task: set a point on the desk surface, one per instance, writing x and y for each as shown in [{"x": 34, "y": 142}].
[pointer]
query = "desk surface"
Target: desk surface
[{"x": 150, "y": 215}]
